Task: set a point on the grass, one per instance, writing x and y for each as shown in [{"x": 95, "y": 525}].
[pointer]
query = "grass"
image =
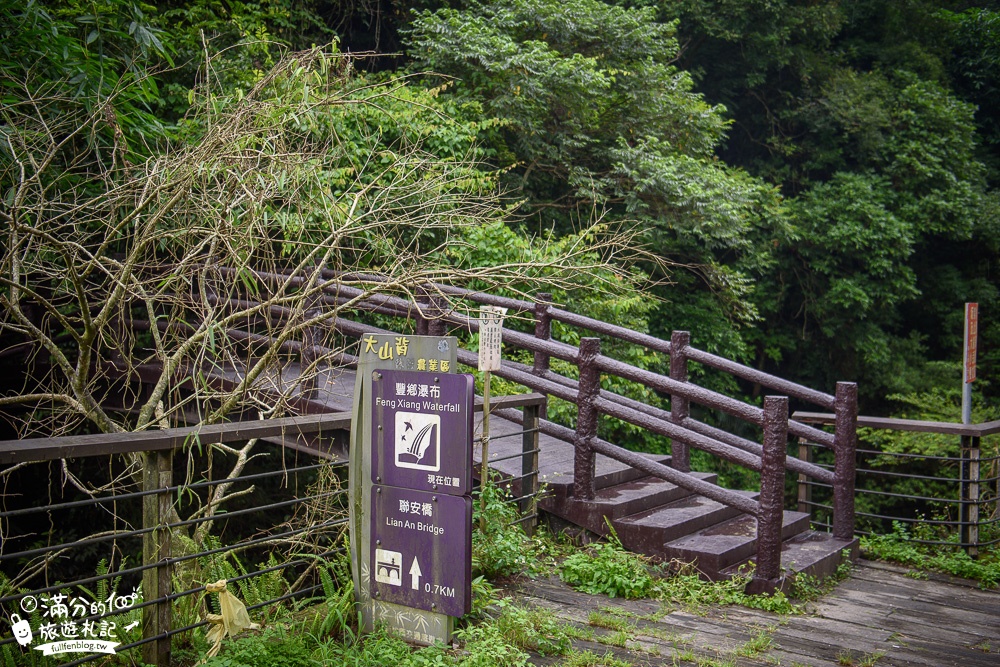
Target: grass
[
  {"x": 611, "y": 622},
  {"x": 503, "y": 632},
  {"x": 807, "y": 588},
  {"x": 590, "y": 659},
  {"x": 758, "y": 645},
  {"x": 898, "y": 547},
  {"x": 846, "y": 659},
  {"x": 608, "y": 569}
]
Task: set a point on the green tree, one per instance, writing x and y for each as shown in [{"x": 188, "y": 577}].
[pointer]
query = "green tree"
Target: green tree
[
  {"x": 856, "y": 110},
  {"x": 598, "y": 122}
]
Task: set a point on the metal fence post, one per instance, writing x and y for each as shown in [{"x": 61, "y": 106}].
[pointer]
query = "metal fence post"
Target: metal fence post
[
  {"x": 157, "y": 474},
  {"x": 772, "y": 492},
  {"x": 529, "y": 467},
  {"x": 586, "y": 419},
  {"x": 845, "y": 443},
  {"x": 969, "y": 520},
  {"x": 680, "y": 408}
]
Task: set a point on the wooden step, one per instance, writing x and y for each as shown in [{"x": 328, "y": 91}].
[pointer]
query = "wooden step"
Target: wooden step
[
  {"x": 714, "y": 549},
  {"x": 614, "y": 502},
  {"x": 812, "y": 552},
  {"x": 608, "y": 472},
  {"x": 647, "y": 532},
  {"x": 612, "y": 473}
]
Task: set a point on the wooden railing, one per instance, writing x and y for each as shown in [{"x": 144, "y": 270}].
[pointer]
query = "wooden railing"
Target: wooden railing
[
  {"x": 159, "y": 552},
  {"x": 433, "y": 314},
  {"x": 435, "y": 311}
]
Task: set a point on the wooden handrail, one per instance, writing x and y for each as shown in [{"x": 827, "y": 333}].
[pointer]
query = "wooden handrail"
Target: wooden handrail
[
  {"x": 433, "y": 311},
  {"x": 915, "y": 425},
  {"x": 105, "y": 444}
]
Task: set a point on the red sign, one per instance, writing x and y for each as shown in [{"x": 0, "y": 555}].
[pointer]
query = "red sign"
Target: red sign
[{"x": 971, "y": 340}]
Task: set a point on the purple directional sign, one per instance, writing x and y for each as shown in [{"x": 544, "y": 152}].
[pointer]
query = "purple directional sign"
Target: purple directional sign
[
  {"x": 422, "y": 431},
  {"x": 421, "y": 549}
]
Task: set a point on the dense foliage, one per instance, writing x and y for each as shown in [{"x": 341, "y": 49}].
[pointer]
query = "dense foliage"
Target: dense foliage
[
  {"x": 865, "y": 114},
  {"x": 852, "y": 212},
  {"x": 821, "y": 175}
]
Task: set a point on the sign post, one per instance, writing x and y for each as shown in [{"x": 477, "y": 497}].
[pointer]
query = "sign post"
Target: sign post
[
  {"x": 409, "y": 486},
  {"x": 490, "y": 342},
  {"x": 971, "y": 344},
  {"x": 970, "y": 445}
]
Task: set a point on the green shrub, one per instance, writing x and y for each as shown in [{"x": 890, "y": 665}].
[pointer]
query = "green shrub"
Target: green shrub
[
  {"x": 499, "y": 546},
  {"x": 271, "y": 647},
  {"x": 607, "y": 569},
  {"x": 487, "y": 647}
]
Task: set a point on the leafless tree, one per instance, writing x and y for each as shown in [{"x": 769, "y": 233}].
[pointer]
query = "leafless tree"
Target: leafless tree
[{"x": 133, "y": 288}]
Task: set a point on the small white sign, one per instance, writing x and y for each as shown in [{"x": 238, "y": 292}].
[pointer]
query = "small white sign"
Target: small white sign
[
  {"x": 388, "y": 567},
  {"x": 418, "y": 441},
  {"x": 490, "y": 337}
]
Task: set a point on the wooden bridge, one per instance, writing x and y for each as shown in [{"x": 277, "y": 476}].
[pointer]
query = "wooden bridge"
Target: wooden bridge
[{"x": 655, "y": 503}]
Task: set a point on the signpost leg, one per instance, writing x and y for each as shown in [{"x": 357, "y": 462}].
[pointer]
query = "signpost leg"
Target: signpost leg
[
  {"x": 484, "y": 475},
  {"x": 529, "y": 467},
  {"x": 490, "y": 341},
  {"x": 970, "y": 495}
]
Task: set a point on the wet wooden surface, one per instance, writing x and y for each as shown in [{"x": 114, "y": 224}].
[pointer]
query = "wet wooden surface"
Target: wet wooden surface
[{"x": 879, "y": 616}]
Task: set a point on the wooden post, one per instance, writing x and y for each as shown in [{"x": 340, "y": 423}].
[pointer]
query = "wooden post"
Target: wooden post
[
  {"x": 680, "y": 408},
  {"x": 772, "y": 491},
  {"x": 436, "y": 326},
  {"x": 970, "y": 495},
  {"x": 543, "y": 329},
  {"x": 311, "y": 337},
  {"x": 845, "y": 443},
  {"x": 529, "y": 467},
  {"x": 423, "y": 304},
  {"x": 157, "y": 474},
  {"x": 586, "y": 419}
]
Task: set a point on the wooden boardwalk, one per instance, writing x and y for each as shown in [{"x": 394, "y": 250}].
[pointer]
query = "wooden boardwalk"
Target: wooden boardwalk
[{"x": 879, "y": 615}]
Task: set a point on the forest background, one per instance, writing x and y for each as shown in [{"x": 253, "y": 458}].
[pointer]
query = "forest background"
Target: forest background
[{"x": 820, "y": 176}]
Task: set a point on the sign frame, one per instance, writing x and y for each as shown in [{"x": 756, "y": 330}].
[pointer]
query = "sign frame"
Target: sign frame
[{"x": 387, "y": 351}]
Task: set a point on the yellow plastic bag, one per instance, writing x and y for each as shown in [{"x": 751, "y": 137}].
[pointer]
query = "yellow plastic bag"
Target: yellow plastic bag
[{"x": 233, "y": 620}]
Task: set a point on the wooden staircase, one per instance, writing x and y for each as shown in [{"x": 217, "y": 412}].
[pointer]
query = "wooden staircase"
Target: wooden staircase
[{"x": 662, "y": 520}]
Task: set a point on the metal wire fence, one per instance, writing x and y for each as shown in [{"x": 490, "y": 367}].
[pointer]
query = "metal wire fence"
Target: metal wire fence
[
  {"x": 943, "y": 499},
  {"x": 83, "y": 563}
]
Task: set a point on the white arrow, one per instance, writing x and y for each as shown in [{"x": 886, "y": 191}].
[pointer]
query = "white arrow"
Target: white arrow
[{"x": 415, "y": 575}]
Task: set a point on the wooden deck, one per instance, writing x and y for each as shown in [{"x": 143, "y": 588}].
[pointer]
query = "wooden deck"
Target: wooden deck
[{"x": 879, "y": 615}]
